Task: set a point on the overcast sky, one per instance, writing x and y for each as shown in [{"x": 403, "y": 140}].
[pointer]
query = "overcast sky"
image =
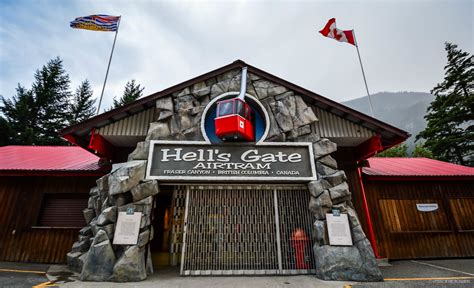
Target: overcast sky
[{"x": 163, "y": 43}]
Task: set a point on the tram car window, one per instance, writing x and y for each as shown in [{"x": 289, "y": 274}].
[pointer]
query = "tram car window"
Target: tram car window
[{"x": 234, "y": 121}]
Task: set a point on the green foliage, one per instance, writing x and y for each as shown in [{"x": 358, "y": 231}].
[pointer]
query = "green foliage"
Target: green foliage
[
  {"x": 132, "y": 92},
  {"x": 395, "y": 151},
  {"x": 35, "y": 116},
  {"x": 401, "y": 150},
  {"x": 51, "y": 90},
  {"x": 450, "y": 130},
  {"x": 19, "y": 118},
  {"x": 5, "y": 132},
  {"x": 422, "y": 151},
  {"x": 82, "y": 106}
]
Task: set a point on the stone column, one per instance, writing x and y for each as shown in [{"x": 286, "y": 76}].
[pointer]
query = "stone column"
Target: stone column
[
  {"x": 356, "y": 262},
  {"x": 93, "y": 255}
]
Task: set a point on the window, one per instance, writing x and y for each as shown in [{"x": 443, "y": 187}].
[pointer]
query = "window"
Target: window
[
  {"x": 248, "y": 113},
  {"x": 239, "y": 108},
  {"x": 63, "y": 210},
  {"x": 226, "y": 108}
]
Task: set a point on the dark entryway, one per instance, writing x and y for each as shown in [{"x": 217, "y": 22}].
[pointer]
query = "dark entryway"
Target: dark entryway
[
  {"x": 162, "y": 225},
  {"x": 168, "y": 221}
]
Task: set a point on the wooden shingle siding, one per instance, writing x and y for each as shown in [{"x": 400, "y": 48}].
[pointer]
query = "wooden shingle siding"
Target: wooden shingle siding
[
  {"x": 20, "y": 204},
  {"x": 332, "y": 126},
  {"x": 135, "y": 125},
  {"x": 403, "y": 232}
]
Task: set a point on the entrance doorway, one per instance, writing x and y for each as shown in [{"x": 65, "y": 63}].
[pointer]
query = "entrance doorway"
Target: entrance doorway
[
  {"x": 168, "y": 220},
  {"x": 246, "y": 230}
]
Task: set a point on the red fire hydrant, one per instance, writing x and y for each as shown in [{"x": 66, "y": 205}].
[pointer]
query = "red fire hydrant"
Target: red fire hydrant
[{"x": 299, "y": 240}]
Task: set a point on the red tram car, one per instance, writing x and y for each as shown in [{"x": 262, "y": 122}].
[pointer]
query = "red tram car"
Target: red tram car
[{"x": 234, "y": 121}]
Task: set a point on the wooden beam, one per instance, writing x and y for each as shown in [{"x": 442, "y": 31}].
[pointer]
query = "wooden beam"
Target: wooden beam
[
  {"x": 369, "y": 148},
  {"x": 101, "y": 146}
]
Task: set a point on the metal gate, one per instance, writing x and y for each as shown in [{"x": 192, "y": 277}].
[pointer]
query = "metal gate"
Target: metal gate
[{"x": 247, "y": 230}]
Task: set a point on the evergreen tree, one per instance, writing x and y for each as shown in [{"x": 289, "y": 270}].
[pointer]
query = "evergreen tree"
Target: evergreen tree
[
  {"x": 82, "y": 107},
  {"x": 450, "y": 130},
  {"x": 132, "y": 92},
  {"x": 5, "y": 131},
  {"x": 395, "y": 151},
  {"x": 422, "y": 151},
  {"x": 52, "y": 93},
  {"x": 20, "y": 118}
]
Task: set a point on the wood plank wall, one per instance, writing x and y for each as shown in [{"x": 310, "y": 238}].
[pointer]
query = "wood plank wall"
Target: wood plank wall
[
  {"x": 20, "y": 203},
  {"x": 403, "y": 232},
  {"x": 447, "y": 233}
]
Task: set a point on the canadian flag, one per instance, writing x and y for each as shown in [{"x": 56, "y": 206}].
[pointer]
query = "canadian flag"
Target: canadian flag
[{"x": 331, "y": 31}]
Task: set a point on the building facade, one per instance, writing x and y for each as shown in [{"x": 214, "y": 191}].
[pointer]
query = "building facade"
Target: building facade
[
  {"x": 43, "y": 191},
  {"x": 212, "y": 207},
  {"x": 422, "y": 207}
]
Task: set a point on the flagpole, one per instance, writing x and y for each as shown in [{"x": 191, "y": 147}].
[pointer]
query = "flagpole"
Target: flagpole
[
  {"x": 363, "y": 74},
  {"x": 108, "y": 66}
]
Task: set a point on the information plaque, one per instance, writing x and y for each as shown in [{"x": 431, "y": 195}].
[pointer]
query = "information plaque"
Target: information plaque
[
  {"x": 127, "y": 228},
  {"x": 339, "y": 231}
]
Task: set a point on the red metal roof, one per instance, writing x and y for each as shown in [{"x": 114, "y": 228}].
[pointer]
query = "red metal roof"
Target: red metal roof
[
  {"x": 415, "y": 167},
  {"x": 48, "y": 160}
]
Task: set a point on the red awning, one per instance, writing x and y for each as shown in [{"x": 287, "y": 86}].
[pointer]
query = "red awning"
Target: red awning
[
  {"x": 48, "y": 160},
  {"x": 415, "y": 168}
]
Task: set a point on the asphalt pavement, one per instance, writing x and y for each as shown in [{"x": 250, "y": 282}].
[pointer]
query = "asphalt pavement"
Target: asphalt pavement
[
  {"x": 455, "y": 273},
  {"x": 19, "y": 275}
]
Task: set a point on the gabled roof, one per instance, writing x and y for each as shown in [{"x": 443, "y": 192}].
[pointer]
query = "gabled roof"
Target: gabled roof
[
  {"x": 424, "y": 168},
  {"x": 48, "y": 160},
  {"x": 390, "y": 135}
]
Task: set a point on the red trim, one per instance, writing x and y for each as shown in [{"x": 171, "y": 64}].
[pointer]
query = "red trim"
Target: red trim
[
  {"x": 367, "y": 215},
  {"x": 100, "y": 145},
  {"x": 418, "y": 178},
  {"x": 368, "y": 148},
  {"x": 51, "y": 173},
  {"x": 70, "y": 138}
]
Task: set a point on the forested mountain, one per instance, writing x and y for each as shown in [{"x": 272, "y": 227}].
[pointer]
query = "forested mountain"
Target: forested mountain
[{"x": 404, "y": 110}]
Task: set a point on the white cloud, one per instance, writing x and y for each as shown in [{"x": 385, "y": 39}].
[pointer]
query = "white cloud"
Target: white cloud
[{"x": 162, "y": 43}]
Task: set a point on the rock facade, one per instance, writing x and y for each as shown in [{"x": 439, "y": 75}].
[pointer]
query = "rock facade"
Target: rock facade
[
  {"x": 93, "y": 255},
  {"x": 178, "y": 117}
]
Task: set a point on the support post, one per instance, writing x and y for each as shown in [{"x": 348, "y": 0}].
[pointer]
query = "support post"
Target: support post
[
  {"x": 185, "y": 224},
  {"x": 277, "y": 228},
  {"x": 108, "y": 67},
  {"x": 370, "y": 226}
]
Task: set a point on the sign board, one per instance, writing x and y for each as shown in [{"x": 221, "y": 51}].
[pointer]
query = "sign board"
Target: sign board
[
  {"x": 127, "y": 228},
  {"x": 174, "y": 160},
  {"x": 339, "y": 231},
  {"x": 427, "y": 207}
]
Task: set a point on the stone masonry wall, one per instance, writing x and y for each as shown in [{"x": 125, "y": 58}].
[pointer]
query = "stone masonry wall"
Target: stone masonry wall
[{"x": 178, "y": 118}]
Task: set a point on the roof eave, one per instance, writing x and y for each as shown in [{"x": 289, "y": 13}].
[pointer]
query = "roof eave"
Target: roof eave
[
  {"x": 418, "y": 178},
  {"x": 148, "y": 101},
  {"x": 53, "y": 173}
]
